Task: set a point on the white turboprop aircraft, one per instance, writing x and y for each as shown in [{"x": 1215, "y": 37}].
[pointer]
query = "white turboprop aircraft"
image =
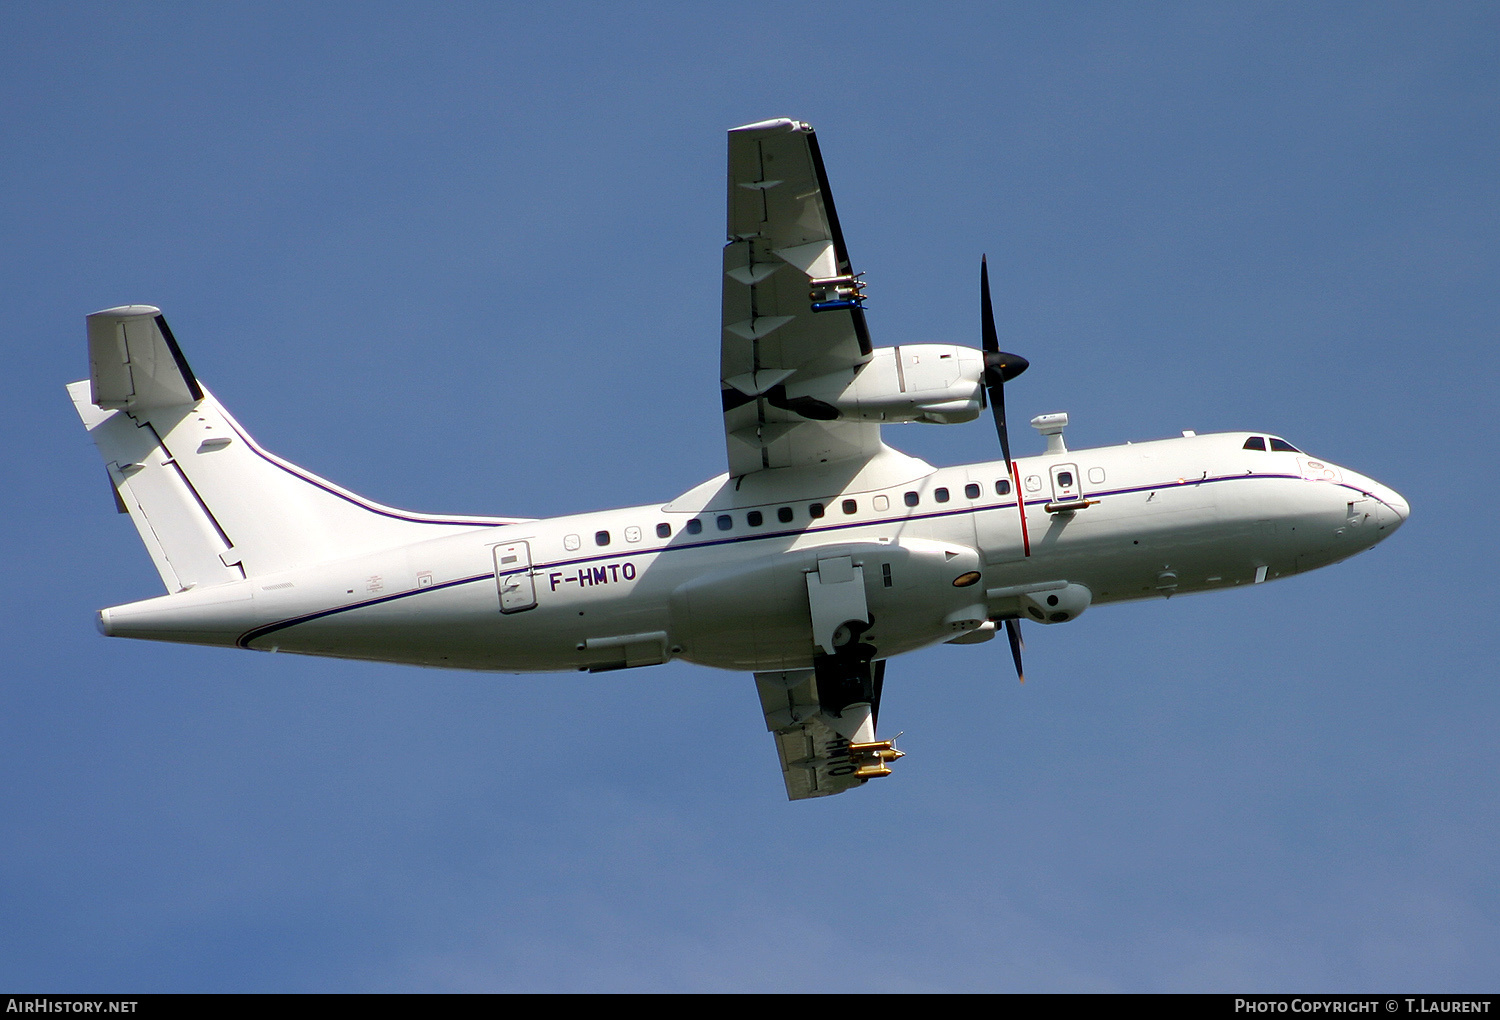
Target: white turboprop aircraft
[{"x": 820, "y": 554}]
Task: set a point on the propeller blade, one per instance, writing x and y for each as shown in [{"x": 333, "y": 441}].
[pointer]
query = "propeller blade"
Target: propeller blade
[
  {"x": 989, "y": 342},
  {"x": 998, "y": 365},
  {"x": 997, "y": 408},
  {"x": 1013, "y": 631}
]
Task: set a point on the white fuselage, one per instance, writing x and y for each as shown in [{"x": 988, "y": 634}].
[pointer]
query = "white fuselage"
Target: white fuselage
[{"x": 723, "y": 582}]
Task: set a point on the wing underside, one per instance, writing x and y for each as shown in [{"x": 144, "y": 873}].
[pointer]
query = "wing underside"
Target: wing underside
[
  {"x": 791, "y": 306},
  {"x": 822, "y": 752}
]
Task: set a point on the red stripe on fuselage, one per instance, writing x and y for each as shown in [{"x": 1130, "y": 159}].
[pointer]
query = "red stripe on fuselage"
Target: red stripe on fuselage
[{"x": 1015, "y": 473}]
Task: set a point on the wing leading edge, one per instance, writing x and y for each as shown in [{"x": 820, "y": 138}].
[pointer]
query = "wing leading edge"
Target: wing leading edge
[{"x": 791, "y": 305}]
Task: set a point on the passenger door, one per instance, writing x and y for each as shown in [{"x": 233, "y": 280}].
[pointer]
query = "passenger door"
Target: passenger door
[{"x": 513, "y": 575}]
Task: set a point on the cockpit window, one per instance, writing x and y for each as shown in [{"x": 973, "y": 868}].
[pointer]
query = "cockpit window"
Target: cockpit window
[
  {"x": 1282, "y": 446},
  {"x": 1256, "y": 443}
]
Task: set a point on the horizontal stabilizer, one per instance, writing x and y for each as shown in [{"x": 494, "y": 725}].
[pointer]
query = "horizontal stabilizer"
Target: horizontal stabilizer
[{"x": 135, "y": 363}]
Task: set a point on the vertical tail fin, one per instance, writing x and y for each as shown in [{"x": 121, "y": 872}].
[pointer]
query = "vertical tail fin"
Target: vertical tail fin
[{"x": 211, "y": 506}]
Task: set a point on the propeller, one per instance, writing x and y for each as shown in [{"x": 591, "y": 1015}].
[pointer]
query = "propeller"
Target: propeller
[
  {"x": 999, "y": 367},
  {"x": 1013, "y": 631}
]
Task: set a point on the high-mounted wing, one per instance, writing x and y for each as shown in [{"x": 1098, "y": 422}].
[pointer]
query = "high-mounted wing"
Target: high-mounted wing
[
  {"x": 791, "y": 305},
  {"x": 813, "y": 760},
  {"x": 823, "y": 751}
]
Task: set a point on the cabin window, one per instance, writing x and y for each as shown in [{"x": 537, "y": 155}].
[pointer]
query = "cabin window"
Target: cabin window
[
  {"x": 571, "y": 542},
  {"x": 882, "y": 503},
  {"x": 601, "y": 538},
  {"x": 632, "y": 534},
  {"x": 1065, "y": 479},
  {"x": 912, "y": 499},
  {"x": 785, "y": 515},
  {"x": 664, "y": 530},
  {"x": 1256, "y": 443},
  {"x": 971, "y": 491},
  {"x": 1282, "y": 446},
  {"x": 724, "y": 521},
  {"x": 941, "y": 495},
  {"x": 1096, "y": 475},
  {"x": 850, "y": 506},
  {"x": 754, "y": 519},
  {"x": 1033, "y": 483},
  {"x": 694, "y": 526},
  {"x": 1002, "y": 487},
  {"x": 815, "y": 510}
]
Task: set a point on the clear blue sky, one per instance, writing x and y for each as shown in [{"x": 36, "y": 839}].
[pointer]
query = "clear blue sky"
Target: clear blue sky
[{"x": 465, "y": 258}]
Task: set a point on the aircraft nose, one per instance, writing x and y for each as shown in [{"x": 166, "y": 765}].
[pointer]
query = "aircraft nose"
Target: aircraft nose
[
  {"x": 1382, "y": 505},
  {"x": 1393, "y": 510}
]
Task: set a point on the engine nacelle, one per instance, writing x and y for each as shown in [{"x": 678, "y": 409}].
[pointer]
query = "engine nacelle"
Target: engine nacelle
[
  {"x": 1057, "y": 606},
  {"x": 938, "y": 383}
]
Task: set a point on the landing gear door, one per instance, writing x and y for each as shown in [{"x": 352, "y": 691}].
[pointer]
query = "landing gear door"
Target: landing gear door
[
  {"x": 513, "y": 574},
  {"x": 836, "y": 596},
  {"x": 1066, "y": 486}
]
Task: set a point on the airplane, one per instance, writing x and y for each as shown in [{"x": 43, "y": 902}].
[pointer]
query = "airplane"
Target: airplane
[{"x": 820, "y": 554}]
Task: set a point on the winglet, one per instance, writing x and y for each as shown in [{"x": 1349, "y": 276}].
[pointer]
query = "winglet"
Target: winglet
[{"x": 135, "y": 363}]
